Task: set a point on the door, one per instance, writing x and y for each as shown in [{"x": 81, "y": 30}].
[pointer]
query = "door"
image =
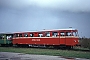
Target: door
[{"x": 62, "y": 38}]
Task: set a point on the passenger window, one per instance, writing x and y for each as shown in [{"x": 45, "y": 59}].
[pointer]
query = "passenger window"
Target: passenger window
[
  {"x": 68, "y": 34},
  {"x": 1, "y": 36},
  {"x": 16, "y": 35},
  {"x": 40, "y": 35},
  {"x": 54, "y": 34},
  {"x": 20, "y": 35},
  {"x": 47, "y": 34},
  {"x": 31, "y": 35},
  {"x": 62, "y": 34},
  {"x": 25, "y": 35},
  {"x": 9, "y": 37}
]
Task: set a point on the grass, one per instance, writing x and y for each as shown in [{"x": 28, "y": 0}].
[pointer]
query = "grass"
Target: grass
[{"x": 54, "y": 52}]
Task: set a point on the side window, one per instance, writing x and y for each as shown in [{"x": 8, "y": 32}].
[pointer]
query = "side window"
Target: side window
[
  {"x": 16, "y": 35},
  {"x": 31, "y": 35},
  {"x": 62, "y": 34},
  {"x": 9, "y": 37},
  {"x": 25, "y": 35},
  {"x": 40, "y": 35},
  {"x": 68, "y": 34},
  {"x": 47, "y": 34},
  {"x": 20, "y": 35},
  {"x": 54, "y": 34},
  {"x": 0, "y": 37},
  {"x": 3, "y": 36}
]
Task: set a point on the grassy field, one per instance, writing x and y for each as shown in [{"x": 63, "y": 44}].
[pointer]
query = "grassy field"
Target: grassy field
[{"x": 66, "y": 53}]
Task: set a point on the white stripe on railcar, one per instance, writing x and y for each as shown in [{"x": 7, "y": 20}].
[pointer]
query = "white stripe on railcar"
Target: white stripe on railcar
[{"x": 48, "y": 37}]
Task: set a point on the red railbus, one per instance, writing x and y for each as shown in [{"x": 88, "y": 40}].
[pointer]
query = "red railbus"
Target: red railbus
[{"x": 55, "y": 37}]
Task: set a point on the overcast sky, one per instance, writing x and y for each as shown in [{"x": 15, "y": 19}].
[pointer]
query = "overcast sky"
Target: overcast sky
[{"x": 27, "y": 15}]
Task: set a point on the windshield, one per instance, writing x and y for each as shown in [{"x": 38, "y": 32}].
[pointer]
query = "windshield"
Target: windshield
[
  {"x": 75, "y": 33},
  {"x": 71, "y": 34}
]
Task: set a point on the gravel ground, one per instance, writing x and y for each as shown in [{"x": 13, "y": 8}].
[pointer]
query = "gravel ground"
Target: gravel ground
[{"x": 21, "y": 56}]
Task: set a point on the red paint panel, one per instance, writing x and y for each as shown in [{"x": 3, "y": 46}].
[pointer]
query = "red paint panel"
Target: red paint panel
[
  {"x": 75, "y": 41},
  {"x": 46, "y": 41},
  {"x": 69, "y": 41},
  {"x": 62, "y": 41}
]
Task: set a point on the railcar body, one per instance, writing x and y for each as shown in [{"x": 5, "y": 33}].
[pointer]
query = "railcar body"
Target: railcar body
[
  {"x": 6, "y": 39},
  {"x": 55, "y": 37}
]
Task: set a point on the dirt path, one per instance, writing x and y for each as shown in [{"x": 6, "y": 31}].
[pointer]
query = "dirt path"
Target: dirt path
[{"x": 21, "y": 56}]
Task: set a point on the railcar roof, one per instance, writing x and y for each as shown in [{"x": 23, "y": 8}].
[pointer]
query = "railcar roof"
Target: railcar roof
[
  {"x": 59, "y": 29},
  {"x": 6, "y": 33},
  {"x": 47, "y": 30}
]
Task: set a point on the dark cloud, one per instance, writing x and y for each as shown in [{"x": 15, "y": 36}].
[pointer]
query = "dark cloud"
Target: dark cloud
[
  {"x": 63, "y": 5},
  {"x": 29, "y": 15}
]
